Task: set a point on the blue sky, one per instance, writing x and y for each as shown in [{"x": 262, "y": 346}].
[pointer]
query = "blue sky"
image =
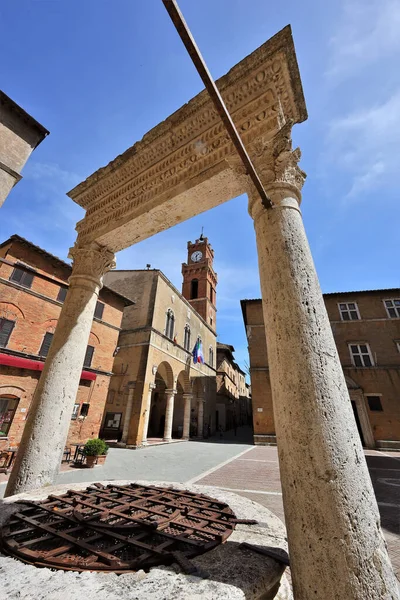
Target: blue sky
[{"x": 99, "y": 74}]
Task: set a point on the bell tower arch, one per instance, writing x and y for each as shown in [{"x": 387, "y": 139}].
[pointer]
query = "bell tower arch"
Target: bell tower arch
[{"x": 200, "y": 280}]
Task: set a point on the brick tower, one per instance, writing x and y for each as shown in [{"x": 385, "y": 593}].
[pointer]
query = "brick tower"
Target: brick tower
[{"x": 200, "y": 280}]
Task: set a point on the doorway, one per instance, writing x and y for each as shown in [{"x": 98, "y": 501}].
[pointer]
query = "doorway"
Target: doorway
[{"x": 354, "y": 406}]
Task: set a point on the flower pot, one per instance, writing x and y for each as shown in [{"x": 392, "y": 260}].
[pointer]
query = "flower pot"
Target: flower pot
[
  {"x": 91, "y": 461},
  {"x": 101, "y": 459}
]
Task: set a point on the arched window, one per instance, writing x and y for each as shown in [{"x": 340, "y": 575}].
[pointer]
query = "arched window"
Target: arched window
[
  {"x": 169, "y": 326},
  {"x": 211, "y": 357},
  {"x": 186, "y": 342},
  {"x": 194, "y": 289}
]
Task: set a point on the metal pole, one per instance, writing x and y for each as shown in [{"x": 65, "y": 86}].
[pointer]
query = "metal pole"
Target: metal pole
[{"x": 198, "y": 61}]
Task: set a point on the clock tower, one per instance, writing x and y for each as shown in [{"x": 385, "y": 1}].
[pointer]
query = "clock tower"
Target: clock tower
[{"x": 200, "y": 280}]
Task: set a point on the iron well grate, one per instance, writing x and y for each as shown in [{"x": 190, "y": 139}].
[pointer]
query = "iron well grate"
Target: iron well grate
[{"x": 117, "y": 528}]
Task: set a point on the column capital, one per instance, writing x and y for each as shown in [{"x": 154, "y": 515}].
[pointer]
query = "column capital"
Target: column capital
[
  {"x": 187, "y": 395},
  {"x": 91, "y": 262},
  {"x": 277, "y": 166},
  {"x": 170, "y": 392}
]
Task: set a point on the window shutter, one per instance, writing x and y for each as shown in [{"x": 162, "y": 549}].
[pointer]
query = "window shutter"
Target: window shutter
[
  {"x": 98, "y": 311},
  {"x": 88, "y": 356},
  {"x": 6, "y": 328},
  {"x": 44, "y": 348},
  {"x": 27, "y": 279},
  {"x": 62, "y": 293},
  {"x": 16, "y": 275}
]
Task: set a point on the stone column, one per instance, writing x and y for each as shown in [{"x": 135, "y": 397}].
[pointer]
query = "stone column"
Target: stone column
[
  {"x": 42, "y": 445},
  {"x": 336, "y": 546},
  {"x": 169, "y": 415},
  {"x": 128, "y": 412},
  {"x": 146, "y": 413},
  {"x": 200, "y": 417},
  {"x": 187, "y": 398}
]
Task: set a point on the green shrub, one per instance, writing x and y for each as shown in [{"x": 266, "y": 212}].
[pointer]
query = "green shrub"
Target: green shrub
[{"x": 95, "y": 447}]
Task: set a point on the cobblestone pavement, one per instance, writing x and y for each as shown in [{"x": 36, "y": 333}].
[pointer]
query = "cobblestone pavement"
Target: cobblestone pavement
[{"x": 255, "y": 474}]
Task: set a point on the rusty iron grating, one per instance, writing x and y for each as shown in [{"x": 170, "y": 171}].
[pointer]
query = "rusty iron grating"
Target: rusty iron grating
[{"x": 117, "y": 528}]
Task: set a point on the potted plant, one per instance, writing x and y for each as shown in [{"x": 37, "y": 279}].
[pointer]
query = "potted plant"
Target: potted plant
[{"x": 95, "y": 451}]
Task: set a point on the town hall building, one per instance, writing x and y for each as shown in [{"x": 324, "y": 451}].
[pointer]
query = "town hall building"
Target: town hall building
[{"x": 158, "y": 391}]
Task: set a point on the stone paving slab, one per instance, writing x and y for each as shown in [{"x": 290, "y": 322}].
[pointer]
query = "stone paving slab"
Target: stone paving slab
[{"x": 255, "y": 475}]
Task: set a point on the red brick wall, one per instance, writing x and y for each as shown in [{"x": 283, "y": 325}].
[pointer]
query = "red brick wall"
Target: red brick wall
[{"x": 36, "y": 311}]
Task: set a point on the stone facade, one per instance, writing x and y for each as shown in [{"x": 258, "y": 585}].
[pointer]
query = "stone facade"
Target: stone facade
[
  {"x": 370, "y": 320},
  {"x": 154, "y": 362},
  {"x": 233, "y": 394},
  {"x": 33, "y": 305},
  {"x": 20, "y": 134}
]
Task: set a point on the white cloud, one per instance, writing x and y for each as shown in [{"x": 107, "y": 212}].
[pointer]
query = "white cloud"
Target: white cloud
[
  {"x": 364, "y": 144},
  {"x": 368, "y": 32}
]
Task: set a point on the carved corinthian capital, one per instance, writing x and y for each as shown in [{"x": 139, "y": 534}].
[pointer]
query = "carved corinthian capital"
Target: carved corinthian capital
[
  {"x": 91, "y": 262},
  {"x": 277, "y": 164}
]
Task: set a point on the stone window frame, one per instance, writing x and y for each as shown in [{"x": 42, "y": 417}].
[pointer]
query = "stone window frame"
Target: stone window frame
[
  {"x": 186, "y": 337},
  {"x": 397, "y": 342},
  {"x": 395, "y": 307},
  {"x": 349, "y": 311},
  {"x": 170, "y": 324},
  {"x": 361, "y": 354}
]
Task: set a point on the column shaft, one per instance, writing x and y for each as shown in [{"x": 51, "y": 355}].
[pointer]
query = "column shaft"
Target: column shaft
[
  {"x": 128, "y": 414},
  {"x": 169, "y": 415},
  {"x": 186, "y": 416},
  {"x": 336, "y": 545},
  {"x": 200, "y": 417},
  {"x": 146, "y": 413},
  {"x": 42, "y": 445}
]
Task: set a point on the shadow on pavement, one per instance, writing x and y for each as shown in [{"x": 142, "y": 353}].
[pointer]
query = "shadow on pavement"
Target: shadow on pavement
[{"x": 385, "y": 476}]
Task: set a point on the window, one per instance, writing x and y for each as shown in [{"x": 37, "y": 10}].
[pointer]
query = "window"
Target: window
[
  {"x": 374, "y": 403},
  {"x": 211, "y": 294},
  {"x": 194, "y": 289},
  {"x": 112, "y": 421},
  {"x": 88, "y": 356},
  {"x": 85, "y": 409},
  {"x": 22, "y": 277},
  {"x": 169, "y": 326},
  {"x": 211, "y": 357},
  {"x": 75, "y": 412},
  {"x": 44, "y": 348},
  {"x": 361, "y": 355},
  {"x": 98, "y": 311},
  {"x": 186, "y": 342},
  {"x": 6, "y": 327},
  {"x": 8, "y": 407},
  {"x": 397, "y": 342},
  {"x": 62, "y": 293},
  {"x": 349, "y": 311},
  {"x": 393, "y": 308}
]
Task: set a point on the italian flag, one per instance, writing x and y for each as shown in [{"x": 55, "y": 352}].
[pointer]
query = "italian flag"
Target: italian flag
[{"x": 198, "y": 353}]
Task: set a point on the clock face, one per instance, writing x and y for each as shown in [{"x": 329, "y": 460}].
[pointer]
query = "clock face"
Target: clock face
[{"x": 196, "y": 256}]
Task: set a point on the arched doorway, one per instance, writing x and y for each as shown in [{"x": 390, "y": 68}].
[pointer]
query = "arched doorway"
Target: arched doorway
[{"x": 164, "y": 380}]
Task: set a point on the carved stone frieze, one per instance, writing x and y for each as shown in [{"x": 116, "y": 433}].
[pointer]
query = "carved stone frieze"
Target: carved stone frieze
[
  {"x": 262, "y": 93},
  {"x": 91, "y": 262}
]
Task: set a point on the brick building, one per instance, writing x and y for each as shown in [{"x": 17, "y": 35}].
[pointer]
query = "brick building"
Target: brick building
[
  {"x": 33, "y": 286},
  {"x": 366, "y": 327},
  {"x": 20, "y": 134},
  {"x": 154, "y": 373},
  {"x": 233, "y": 393}
]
